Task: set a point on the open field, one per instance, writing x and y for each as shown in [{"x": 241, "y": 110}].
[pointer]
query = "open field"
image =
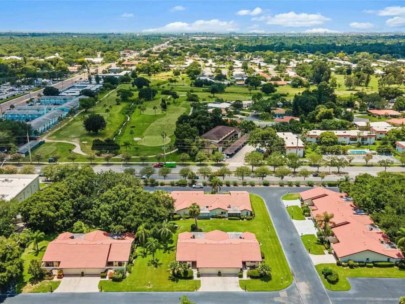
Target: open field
[
  {"x": 360, "y": 272},
  {"x": 148, "y": 278}
]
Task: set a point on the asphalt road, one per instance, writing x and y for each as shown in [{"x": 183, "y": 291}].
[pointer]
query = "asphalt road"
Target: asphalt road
[{"x": 307, "y": 287}]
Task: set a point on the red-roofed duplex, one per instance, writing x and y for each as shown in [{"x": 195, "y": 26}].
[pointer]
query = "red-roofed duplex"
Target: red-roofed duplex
[
  {"x": 356, "y": 237},
  {"x": 215, "y": 251},
  {"x": 385, "y": 112},
  {"x": 234, "y": 203},
  {"x": 90, "y": 253}
]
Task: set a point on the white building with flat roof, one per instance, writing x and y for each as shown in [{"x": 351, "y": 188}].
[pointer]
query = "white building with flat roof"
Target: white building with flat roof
[
  {"x": 293, "y": 143},
  {"x": 344, "y": 136},
  {"x": 18, "y": 186}
]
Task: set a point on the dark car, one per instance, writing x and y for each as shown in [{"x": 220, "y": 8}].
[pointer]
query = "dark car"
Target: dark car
[{"x": 158, "y": 165}]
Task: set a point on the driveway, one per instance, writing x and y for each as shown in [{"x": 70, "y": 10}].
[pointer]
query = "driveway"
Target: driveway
[
  {"x": 79, "y": 284},
  {"x": 215, "y": 283},
  {"x": 304, "y": 227},
  {"x": 239, "y": 158}
]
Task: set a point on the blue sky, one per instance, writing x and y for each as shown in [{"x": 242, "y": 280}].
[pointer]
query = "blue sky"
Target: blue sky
[{"x": 312, "y": 16}]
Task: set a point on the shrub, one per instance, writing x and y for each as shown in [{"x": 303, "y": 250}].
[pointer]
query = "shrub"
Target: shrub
[
  {"x": 228, "y": 183},
  {"x": 188, "y": 274},
  {"x": 204, "y": 184},
  {"x": 198, "y": 274},
  {"x": 233, "y": 218},
  {"x": 266, "y": 183},
  {"x": 281, "y": 183},
  {"x": 235, "y": 183},
  {"x": 181, "y": 183},
  {"x": 344, "y": 264},
  {"x": 333, "y": 278},
  {"x": 162, "y": 184},
  {"x": 176, "y": 217},
  {"x": 369, "y": 265},
  {"x": 172, "y": 183},
  {"x": 253, "y": 273},
  {"x": 290, "y": 183},
  {"x": 240, "y": 274},
  {"x": 339, "y": 263},
  {"x": 252, "y": 183},
  {"x": 310, "y": 183},
  {"x": 361, "y": 264},
  {"x": 350, "y": 263},
  {"x": 326, "y": 272},
  {"x": 244, "y": 183},
  {"x": 219, "y": 273},
  {"x": 384, "y": 264},
  {"x": 118, "y": 275},
  {"x": 297, "y": 184},
  {"x": 332, "y": 184},
  {"x": 401, "y": 264}
]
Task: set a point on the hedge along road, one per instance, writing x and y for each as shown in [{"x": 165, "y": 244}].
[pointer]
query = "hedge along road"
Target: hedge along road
[{"x": 307, "y": 287}]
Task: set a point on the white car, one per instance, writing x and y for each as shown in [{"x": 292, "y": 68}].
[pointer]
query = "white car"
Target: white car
[{"x": 198, "y": 186}]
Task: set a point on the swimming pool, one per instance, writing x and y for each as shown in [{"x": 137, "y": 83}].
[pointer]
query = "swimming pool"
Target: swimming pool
[{"x": 359, "y": 152}]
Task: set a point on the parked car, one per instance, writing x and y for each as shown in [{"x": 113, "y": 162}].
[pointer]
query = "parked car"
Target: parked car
[
  {"x": 315, "y": 174},
  {"x": 198, "y": 186},
  {"x": 144, "y": 177},
  {"x": 158, "y": 165}
]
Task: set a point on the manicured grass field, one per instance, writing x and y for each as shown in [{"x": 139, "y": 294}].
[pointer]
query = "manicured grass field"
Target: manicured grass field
[
  {"x": 290, "y": 196},
  {"x": 27, "y": 256},
  {"x": 51, "y": 149},
  {"x": 295, "y": 213},
  {"x": 148, "y": 278},
  {"x": 360, "y": 272},
  {"x": 312, "y": 244}
]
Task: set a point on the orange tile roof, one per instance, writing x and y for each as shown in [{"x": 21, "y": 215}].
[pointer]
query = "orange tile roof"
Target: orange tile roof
[
  {"x": 355, "y": 233},
  {"x": 385, "y": 112},
  {"x": 91, "y": 250},
  {"x": 396, "y": 121},
  {"x": 218, "y": 249},
  {"x": 286, "y": 119},
  {"x": 225, "y": 201}
]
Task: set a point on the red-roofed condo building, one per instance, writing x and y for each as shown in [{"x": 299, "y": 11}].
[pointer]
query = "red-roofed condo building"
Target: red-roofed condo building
[
  {"x": 87, "y": 254},
  {"x": 355, "y": 236},
  {"x": 232, "y": 204},
  {"x": 211, "y": 252}
]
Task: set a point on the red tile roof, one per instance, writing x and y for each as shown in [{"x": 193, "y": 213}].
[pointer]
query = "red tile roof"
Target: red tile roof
[
  {"x": 218, "y": 249},
  {"x": 91, "y": 250},
  {"x": 286, "y": 119},
  {"x": 396, "y": 121},
  {"x": 355, "y": 233},
  {"x": 225, "y": 201}
]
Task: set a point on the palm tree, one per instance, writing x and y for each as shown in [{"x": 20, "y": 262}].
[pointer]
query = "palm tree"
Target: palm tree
[
  {"x": 152, "y": 246},
  {"x": 215, "y": 184},
  {"x": 174, "y": 268},
  {"x": 142, "y": 235},
  {"x": 36, "y": 238},
  {"x": 325, "y": 222},
  {"x": 401, "y": 239},
  {"x": 166, "y": 230},
  {"x": 194, "y": 211}
]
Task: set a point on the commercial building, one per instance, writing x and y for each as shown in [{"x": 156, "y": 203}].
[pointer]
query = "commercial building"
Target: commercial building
[
  {"x": 232, "y": 204},
  {"x": 355, "y": 236},
  {"x": 218, "y": 251},
  {"x": 292, "y": 142},
  {"x": 221, "y": 137},
  {"x": 344, "y": 137},
  {"x": 87, "y": 254},
  {"x": 18, "y": 186}
]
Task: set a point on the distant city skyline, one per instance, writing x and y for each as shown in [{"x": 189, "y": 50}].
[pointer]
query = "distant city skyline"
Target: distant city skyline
[{"x": 160, "y": 16}]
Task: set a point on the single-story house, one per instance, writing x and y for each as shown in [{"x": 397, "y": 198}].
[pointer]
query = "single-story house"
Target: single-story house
[
  {"x": 400, "y": 146},
  {"x": 355, "y": 236},
  {"x": 279, "y": 113},
  {"x": 286, "y": 119},
  {"x": 397, "y": 121},
  {"x": 218, "y": 251},
  {"x": 385, "y": 112},
  {"x": 87, "y": 254},
  {"x": 234, "y": 203}
]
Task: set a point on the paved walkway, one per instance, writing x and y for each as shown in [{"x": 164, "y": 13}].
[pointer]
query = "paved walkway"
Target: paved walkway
[
  {"x": 304, "y": 227},
  {"x": 215, "y": 283},
  {"x": 78, "y": 284},
  {"x": 292, "y": 203},
  {"x": 322, "y": 259}
]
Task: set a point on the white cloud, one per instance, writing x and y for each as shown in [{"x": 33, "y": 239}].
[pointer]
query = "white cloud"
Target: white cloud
[
  {"x": 292, "y": 19},
  {"x": 254, "y": 12},
  {"x": 213, "y": 25},
  {"x": 392, "y": 11},
  {"x": 177, "y": 8},
  {"x": 320, "y": 30},
  {"x": 361, "y": 25},
  {"x": 127, "y": 15},
  {"x": 396, "y": 21}
]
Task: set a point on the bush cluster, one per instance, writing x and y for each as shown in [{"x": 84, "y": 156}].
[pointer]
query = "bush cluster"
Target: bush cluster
[
  {"x": 118, "y": 275},
  {"x": 330, "y": 275}
]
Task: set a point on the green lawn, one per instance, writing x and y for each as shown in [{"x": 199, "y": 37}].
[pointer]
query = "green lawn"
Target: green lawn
[
  {"x": 51, "y": 149},
  {"x": 360, "y": 272},
  {"x": 148, "y": 278},
  {"x": 27, "y": 256},
  {"x": 290, "y": 196},
  {"x": 295, "y": 213},
  {"x": 312, "y": 244}
]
